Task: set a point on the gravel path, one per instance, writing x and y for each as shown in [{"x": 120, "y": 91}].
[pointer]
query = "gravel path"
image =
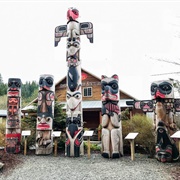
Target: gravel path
[{"x": 83, "y": 168}]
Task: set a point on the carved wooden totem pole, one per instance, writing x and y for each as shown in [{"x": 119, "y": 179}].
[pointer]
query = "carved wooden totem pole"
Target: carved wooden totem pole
[
  {"x": 74, "y": 121},
  {"x": 162, "y": 94},
  {"x": 164, "y": 107},
  {"x": 112, "y": 142},
  {"x": 45, "y": 115},
  {"x": 13, "y": 122}
]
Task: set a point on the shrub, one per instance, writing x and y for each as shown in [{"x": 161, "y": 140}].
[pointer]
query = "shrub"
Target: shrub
[
  {"x": 29, "y": 123},
  {"x": 144, "y": 126},
  {"x": 2, "y": 133}
]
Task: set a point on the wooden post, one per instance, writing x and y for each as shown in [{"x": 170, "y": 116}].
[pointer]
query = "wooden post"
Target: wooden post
[
  {"x": 55, "y": 135},
  {"x": 100, "y": 126},
  {"x": 25, "y": 145},
  {"x": 89, "y": 147},
  {"x": 132, "y": 149},
  {"x": 88, "y": 134},
  {"x": 55, "y": 146},
  {"x": 179, "y": 145}
]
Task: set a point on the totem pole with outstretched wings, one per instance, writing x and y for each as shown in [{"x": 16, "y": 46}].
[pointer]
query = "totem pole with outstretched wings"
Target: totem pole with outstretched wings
[{"x": 74, "y": 122}]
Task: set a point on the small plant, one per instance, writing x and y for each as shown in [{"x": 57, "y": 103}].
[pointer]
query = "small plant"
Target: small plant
[
  {"x": 93, "y": 147},
  {"x": 144, "y": 126},
  {"x": 2, "y": 133}
]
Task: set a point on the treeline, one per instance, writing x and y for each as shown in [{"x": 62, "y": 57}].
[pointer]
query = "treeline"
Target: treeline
[{"x": 29, "y": 91}]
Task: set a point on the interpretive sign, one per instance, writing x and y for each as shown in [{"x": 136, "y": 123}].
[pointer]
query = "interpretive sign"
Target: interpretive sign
[
  {"x": 56, "y": 133},
  {"x": 131, "y": 136},
  {"x": 26, "y": 133},
  {"x": 88, "y": 133}
]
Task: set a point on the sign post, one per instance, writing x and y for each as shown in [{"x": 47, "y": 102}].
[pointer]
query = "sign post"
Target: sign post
[
  {"x": 88, "y": 134},
  {"x": 131, "y": 137},
  {"x": 25, "y": 134},
  {"x": 177, "y": 135},
  {"x": 55, "y": 135}
]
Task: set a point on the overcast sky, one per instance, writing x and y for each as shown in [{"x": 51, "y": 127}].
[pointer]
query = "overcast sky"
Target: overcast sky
[{"x": 129, "y": 38}]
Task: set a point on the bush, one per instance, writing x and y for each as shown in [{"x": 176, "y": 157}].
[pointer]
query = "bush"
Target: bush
[
  {"x": 2, "y": 133},
  {"x": 144, "y": 126},
  {"x": 29, "y": 123},
  {"x": 61, "y": 143}
]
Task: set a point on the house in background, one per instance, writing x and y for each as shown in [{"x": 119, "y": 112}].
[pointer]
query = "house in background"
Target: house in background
[{"x": 91, "y": 99}]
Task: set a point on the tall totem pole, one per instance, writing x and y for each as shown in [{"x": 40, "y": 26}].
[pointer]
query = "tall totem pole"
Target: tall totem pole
[
  {"x": 112, "y": 142},
  {"x": 163, "y": 105},
  {"x": 13, "y": 122},
  {"x": 45, "y": 115},
  {"x": 74, "y": 120}
]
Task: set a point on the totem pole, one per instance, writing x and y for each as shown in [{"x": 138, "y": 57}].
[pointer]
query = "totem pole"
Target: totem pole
[
  {"x": 112, "y": 142},
  {"x": 74, "y": 121},
  {"x": 45, "y": 115},
  {"x": 13, "y": 122},
  {"x": 164, "y": 107}
]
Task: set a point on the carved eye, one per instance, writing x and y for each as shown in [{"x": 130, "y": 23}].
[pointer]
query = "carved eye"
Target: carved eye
[
  {"x": 40, "y": 81},
  {"x": 77, "y": 96},
  {"x": 38, "y": 119},
  {"x": 76, "y": 44},
  {"x": 68, "y": 96},
  {"x": 68, "y": 45},
  {"x": 48, "y": 119},
  {"x": 153, "y": 88},
  {"x": 17, "y": 84},
  {"x": 166, "y": 87},
  {"x": 114, "y": 86},
  {"x": 49, "y": 81}
]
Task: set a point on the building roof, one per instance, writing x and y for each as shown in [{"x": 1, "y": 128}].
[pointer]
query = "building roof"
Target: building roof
[
  {"x": 95, "y": 103},
  {"x": 99, "y": 80},
  {"x": 98, "y": 104}
]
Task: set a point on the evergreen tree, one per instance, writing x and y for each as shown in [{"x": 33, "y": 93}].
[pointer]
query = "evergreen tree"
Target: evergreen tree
[
  {"x": 3, "y": 87},
  {"x": 59, "y": 121}
]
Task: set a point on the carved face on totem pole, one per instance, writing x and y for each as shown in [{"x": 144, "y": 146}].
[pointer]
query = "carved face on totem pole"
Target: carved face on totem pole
[
  {"x": 110, "y": 94},
  {"x": 45, "y": 102},
  {"x": 162, "y": 90},
  {"x": 73, "y": 47},
  {"x": 73, "y": 100},
  {"x": 110, "y": 88}
]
